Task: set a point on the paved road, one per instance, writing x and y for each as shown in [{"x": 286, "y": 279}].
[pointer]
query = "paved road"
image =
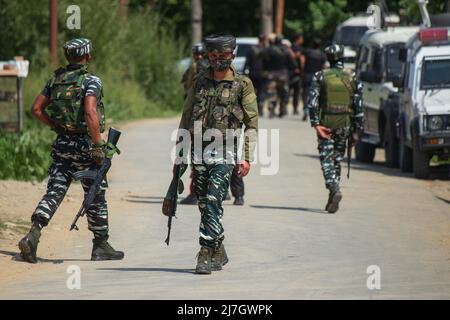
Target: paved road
[{"x": 281, "y": 244}]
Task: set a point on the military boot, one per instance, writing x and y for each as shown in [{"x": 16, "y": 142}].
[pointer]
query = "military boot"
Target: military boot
[
  {"x": 204, "y": 260},
  {"x": 28, "y": 245},
  {"x": 219, "y": 259},
  {"x": 102, "y": 250},
  {"x": 239, "y": 201},
  {"x": 330, "y": 198},
  {"x": 335, "y": 197}
]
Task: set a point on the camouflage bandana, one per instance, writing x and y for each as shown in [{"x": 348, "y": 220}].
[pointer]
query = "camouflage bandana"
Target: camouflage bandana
[{"x": 220, "y": 64}]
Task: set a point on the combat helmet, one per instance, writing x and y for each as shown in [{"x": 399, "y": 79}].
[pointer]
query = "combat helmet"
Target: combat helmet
[
  {"x": 198, "y": 48},
  {"x": 77, "y": 47},
  {"x": 334, "y": 52}
]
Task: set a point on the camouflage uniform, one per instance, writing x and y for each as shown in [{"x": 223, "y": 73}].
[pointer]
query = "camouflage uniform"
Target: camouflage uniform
[
  {"x": 277, "y": 63},
  {"x": 70, "y": 153},
  {"x": 73, "y": 150},
  {"x": 195, "y": 68},
  {"x": 220, "y": 105},
  {"x": 332, "y": 151}
]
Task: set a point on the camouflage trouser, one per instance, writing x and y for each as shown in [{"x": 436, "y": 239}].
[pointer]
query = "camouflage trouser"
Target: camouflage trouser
[
  {"x": 331, "y": 153},
  {"x": 211, "y": 182},
  {"x": 70, "y": 154},
  {"x": 278, "y": 88}
]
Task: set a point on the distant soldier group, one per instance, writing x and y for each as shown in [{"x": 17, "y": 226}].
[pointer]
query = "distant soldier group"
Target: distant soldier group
[{"x": 282, "y": 69}]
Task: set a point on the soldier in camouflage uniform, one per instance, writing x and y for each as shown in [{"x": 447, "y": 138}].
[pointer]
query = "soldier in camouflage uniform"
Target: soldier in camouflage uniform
[
  {"x": 198, "y": 64},
  {"x": 277, "y": 63},
  {"x": 336, "y": 111},
  {"x": 71, "y": 105},
  {"x": 219, "y": 99}
]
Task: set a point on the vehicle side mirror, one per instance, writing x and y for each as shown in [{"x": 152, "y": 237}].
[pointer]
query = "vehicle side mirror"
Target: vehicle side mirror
[
  {"x": 369, "y": 76},
  {"x": 403, "y": 54}
]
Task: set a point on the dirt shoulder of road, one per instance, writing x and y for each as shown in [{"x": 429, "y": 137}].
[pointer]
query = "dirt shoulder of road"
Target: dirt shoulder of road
[{"x": 17, "y": 202}]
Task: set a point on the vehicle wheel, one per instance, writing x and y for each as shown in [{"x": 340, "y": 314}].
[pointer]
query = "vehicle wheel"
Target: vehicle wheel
[
  {"x": 405, "y": 157},
  {"x": 364, "y": 152},
  {"x": 421, "y": 163},
  {"x": 391, "y": 145}
]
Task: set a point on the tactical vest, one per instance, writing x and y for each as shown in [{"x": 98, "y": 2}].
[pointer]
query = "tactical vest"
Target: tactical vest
[
  {"x": 336, "y": 94},
  {"x": 66, "y": 107},
  {"x": 217, "y": 106}
]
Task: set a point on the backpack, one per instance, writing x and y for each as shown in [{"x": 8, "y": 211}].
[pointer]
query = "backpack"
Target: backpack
[
  {"x": 66, "y": 107},
  {"x": 336, "y": 94}
]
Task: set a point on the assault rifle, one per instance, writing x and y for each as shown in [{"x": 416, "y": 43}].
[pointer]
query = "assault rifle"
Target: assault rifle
[
  {"x": 96, "y": 177},
  {"x": 176, "y": 187}
]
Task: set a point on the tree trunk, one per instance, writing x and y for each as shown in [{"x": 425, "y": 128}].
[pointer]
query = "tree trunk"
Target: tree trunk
[
  {"x": 196, "y": 20},
  {"x": 266, "y": 17},
  {"x": 53, "y": 39},
  {"x": 280, "y": 15},
  {"x": 123, "y": 7}
]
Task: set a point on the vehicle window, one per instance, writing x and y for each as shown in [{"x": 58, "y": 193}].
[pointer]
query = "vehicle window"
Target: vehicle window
[
  {"x": 243, "y": 49},
  {"x": 362, "y": 60},
  {"x": 435, "y": 74},
  {"x": 393, "y": 64},
  {"x": 376, "y": 64},
  {"x": 410, "y": 75},
  {"x": 376, "y": 61},
  {"x": 350, "y": 36}
]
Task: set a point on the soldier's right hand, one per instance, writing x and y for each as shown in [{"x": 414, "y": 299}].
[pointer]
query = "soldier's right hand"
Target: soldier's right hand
[
  {"x": 323, "y": 132},
  {"x": 97, "y": 152}
]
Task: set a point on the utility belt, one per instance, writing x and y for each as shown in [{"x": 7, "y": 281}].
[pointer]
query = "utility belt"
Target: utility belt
[{"x": 70, "y": 131}]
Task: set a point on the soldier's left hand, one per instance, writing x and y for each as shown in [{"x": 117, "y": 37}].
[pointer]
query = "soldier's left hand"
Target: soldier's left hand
[{"x": 243, "y": 168}]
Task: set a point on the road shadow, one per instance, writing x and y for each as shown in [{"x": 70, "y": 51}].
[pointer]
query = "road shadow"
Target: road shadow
[
  {"x": 442, "y": 199},
  {"x": 143, "y": 199},
  {"x": 304, "y": 155},
  {"x": 191, "y": 271},
  {"x": 311, "y": 210},
  {"x": 15, "y": 256},
  {"x": 436, "y": 173}
]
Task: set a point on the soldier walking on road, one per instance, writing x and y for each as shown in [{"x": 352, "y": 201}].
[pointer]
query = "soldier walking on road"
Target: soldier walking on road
[
  {"x": 71, "y": 105},
  {"x": 277, "y": 63},
  {"x": 298, "y": 58},
  {"x": 219, "y": 99},
  {"x": 336, "y": 111},
  {"x": 315, "y": 61},
  {"x": 198, "y": 64},
  {"x": 255, "y": 64}
]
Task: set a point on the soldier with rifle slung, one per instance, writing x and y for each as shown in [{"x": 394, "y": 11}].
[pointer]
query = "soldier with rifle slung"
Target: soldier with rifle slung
[
  {"x": 336, "y": 111},
  {"x": 71, "y": 105},
  {"x": 218, "y": 101}
]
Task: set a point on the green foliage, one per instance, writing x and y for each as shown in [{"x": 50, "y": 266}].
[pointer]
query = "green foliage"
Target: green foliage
[{"x": 25, "y": 156}]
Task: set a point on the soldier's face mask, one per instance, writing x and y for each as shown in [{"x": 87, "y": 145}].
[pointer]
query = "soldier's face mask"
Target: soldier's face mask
[{"x": 220, "y": 61}]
